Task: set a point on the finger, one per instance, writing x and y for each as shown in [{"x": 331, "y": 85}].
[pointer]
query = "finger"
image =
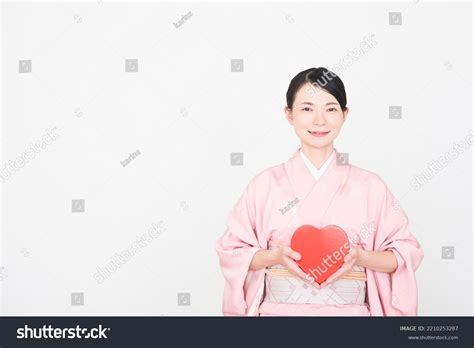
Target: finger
[
  {"x": 313, "y": 281},
  {"x": 294, "y": 254},
  {"x": 323, "y": 284},
  {"x": 350, "y": 257},
  {"x": 339, "y": 273},
  {"x": 345, "y": 268},
  {"x": 296, "y": 270},
  {"x": 328, "y": 281},
  {"x": 310, "y": 279},
  {"x": 316, "y": 285},
  {"x": 299, "y": 272}
]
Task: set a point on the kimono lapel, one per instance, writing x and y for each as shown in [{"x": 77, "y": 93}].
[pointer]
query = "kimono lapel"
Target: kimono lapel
[{"x": 315, "y": 196}]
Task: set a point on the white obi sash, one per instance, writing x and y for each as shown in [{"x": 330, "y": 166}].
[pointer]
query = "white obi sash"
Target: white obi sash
[{"x": 283, "y": 287}]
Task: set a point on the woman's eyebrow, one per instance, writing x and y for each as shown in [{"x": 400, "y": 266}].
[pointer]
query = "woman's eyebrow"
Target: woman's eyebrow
[{"x": 330, "y": 103}]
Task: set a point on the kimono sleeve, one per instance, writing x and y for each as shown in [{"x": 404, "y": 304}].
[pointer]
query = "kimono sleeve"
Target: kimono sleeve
[
  {"x": 399, "y": 292},
  {"x": 236, "y": 248}
]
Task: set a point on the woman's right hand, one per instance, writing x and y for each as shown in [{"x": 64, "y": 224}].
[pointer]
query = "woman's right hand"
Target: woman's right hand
[{"x": 287, "y": 257}]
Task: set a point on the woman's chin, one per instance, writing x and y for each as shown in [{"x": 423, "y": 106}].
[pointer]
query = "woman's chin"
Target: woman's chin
[{"x": 319, "y": 143}]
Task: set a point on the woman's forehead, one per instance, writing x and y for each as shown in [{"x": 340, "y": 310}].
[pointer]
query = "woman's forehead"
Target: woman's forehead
[{"x": 314, "y": 95}]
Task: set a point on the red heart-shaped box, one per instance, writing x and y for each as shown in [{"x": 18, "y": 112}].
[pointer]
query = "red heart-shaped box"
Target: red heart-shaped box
[{"x": 322, "y": 250}]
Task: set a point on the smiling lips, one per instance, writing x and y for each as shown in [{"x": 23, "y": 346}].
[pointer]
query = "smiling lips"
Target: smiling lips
[{"x": 318, "y": 134}]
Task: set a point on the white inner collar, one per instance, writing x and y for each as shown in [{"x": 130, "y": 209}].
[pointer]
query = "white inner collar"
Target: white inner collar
[{"x": 312, "y": 168}]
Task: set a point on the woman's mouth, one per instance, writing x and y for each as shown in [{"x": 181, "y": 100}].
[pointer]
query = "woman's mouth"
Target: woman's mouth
[{"x": 318, "y": 134}]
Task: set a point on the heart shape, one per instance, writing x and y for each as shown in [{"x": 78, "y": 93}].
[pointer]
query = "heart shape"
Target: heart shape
[{"x": 322, "y": 250}]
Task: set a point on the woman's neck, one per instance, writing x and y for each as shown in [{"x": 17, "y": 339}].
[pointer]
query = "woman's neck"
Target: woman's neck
[{"x": 317, "y": 156}]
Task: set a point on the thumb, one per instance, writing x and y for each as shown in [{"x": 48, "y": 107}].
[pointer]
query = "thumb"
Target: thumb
[
  {"x": 295, "y": 255},
  {"x": 348, "y": 258}
]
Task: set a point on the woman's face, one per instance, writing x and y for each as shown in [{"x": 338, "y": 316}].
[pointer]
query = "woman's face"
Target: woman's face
[{"x": 316, "y": 116}]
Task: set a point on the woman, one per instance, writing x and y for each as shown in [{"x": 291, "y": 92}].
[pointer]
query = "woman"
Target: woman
[{"x": 318, "y": 187}]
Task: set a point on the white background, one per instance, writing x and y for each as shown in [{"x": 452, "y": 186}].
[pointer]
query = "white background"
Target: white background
[{"x": 185, "y": 111}]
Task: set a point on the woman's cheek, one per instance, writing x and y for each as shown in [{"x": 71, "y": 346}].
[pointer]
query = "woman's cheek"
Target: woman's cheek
[{"x": 335, "y": 134}]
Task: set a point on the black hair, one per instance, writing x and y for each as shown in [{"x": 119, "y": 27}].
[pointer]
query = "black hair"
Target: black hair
[{"x": 318, "y": 77}]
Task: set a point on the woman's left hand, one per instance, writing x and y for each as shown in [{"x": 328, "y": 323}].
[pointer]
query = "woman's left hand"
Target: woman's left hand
[{"x": 350, "y": 260}]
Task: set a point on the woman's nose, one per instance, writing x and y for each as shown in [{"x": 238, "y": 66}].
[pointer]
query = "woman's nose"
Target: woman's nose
[{"x": 319, "y": 118}]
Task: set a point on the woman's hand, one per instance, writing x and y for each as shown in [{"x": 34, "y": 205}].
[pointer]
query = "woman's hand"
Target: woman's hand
[
  {"x": 287, "y": 257},
  {"x": 379, "y": 261},
  {"x": 350, "y": 260}
]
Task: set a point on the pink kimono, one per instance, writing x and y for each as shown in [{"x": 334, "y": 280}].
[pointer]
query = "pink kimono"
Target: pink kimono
[{"x": 283, "y": 197}]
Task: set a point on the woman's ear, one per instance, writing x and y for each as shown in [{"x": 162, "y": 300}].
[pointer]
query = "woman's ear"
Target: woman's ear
[
  {"x": 289, "y": 115},
  {"x": 344, "y": 113}
]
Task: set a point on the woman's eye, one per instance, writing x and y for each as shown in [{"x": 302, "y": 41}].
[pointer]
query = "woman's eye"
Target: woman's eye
[
  {"x": 306, "y": 109},
  {"x": 332, "y": 109}
]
